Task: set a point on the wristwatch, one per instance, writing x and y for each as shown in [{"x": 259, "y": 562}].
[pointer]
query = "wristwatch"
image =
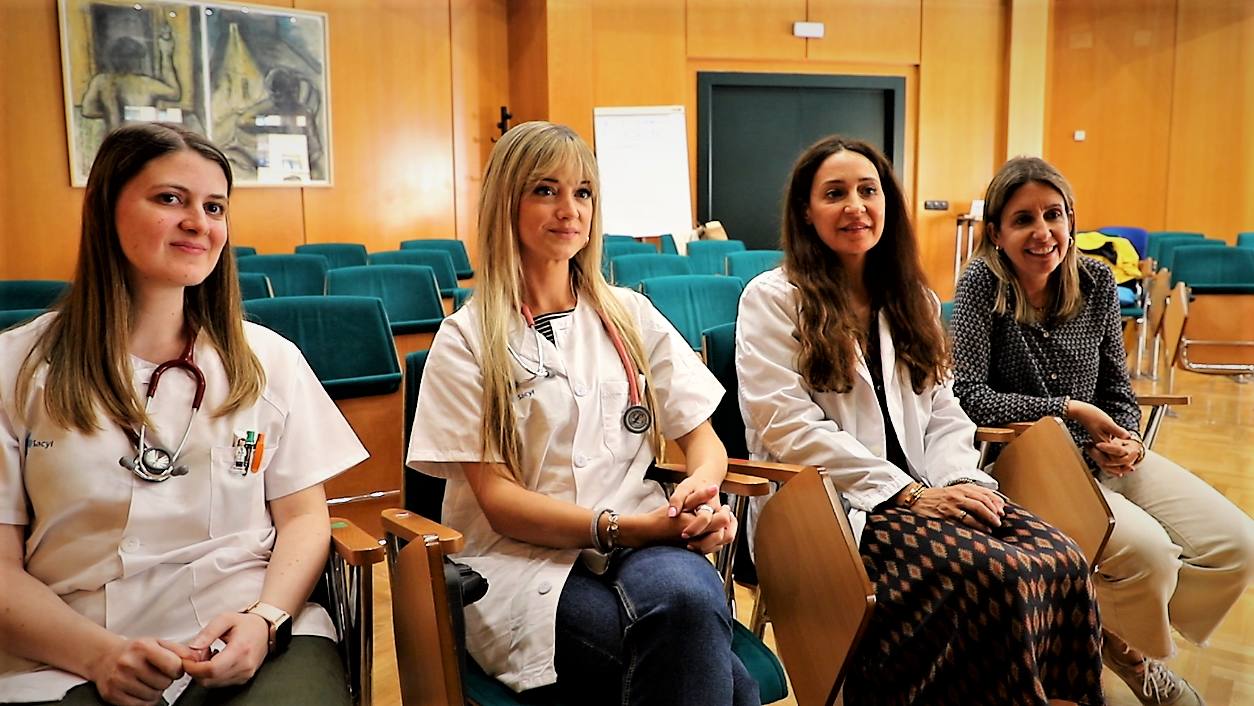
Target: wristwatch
[{"x": 280, "y": 625}]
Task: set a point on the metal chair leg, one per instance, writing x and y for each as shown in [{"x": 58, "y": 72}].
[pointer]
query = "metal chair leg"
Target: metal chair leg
[{"x": 758, "y": 622}]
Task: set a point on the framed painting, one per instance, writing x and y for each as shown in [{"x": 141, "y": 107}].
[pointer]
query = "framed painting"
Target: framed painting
[{"x": 254, "y": 79}]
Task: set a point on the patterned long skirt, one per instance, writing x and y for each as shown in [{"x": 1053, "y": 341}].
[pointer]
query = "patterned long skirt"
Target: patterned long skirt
[{"x": 965, "y": 617}]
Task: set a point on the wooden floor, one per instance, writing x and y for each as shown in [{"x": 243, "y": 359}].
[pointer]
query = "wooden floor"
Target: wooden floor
[{"x": 1213, "y": 437}]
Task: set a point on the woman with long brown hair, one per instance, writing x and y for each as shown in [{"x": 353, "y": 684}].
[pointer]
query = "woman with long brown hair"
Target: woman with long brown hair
[
  {"x": 843, "y": 365},
  {"x": 162, "y": 461}
]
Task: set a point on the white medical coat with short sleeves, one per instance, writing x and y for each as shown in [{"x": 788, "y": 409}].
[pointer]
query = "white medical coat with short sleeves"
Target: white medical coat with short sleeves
[
  {"x": 842, "y": 433},
  {"x": 574, "y": 448},
  {"x": 161, "y": 559}
]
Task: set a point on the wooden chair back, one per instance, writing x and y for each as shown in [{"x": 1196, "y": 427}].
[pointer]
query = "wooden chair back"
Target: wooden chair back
[
  {"x": 1175, "y": 318},
  {"x": 426, "y": 657},
  {"x": 812, "y": 578},
  {"x": 1159, "y": 290},
  {"x": 1042, "y": 471}
]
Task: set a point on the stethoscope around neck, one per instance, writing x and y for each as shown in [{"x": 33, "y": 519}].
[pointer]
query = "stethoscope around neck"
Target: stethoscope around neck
[
  {"x": 154, "y": 463},
  {"x": 636, "y": 418}
]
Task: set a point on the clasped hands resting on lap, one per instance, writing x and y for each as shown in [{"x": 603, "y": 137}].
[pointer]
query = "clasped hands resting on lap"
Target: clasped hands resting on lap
[
  {"x": 1114, "y": 449},
  {"x": 693, "y": 517},
  {"x": 135, "y": 672}
]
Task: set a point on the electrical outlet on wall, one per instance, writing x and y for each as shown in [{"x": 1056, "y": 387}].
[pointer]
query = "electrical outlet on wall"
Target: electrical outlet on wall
[{"x": 935, "y": 205}]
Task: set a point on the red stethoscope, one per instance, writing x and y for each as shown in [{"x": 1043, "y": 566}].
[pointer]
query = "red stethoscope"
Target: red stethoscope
[
  {"x": 636, "y": 418},
  {"x": 154, "y": 463}
]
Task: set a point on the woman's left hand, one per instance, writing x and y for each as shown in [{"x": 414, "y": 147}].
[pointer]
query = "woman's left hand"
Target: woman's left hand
[
  {"x": 709, "y": 526},
  {"x": 247, "y": 638},
  {"x": 1117, "y": 456}
]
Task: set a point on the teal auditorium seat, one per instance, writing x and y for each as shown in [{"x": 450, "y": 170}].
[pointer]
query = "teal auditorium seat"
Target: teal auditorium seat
[
  {"x": 1158, "y": 237},
  {"x": 337, "y": 254},
  {"x": 439, "y": 261},
  {"x": 668, "y": 244},
  {"x": 718, "y": 347},
  {"x": 456, "y": 249},
  {"x": 321, "y": 326},
  {"x": 628, "y": 270},
  {"x": 617, "y": 246},
  {"x": 409, "y": 293},
  {"x": 1245, "y": 240},
  {"x": 12, "y": 317},
  {"x": 254, "y": 285},
  {"x": 751, "y": 263},
  {"x": 423, "y": 495},
  {"x": 1167, "y": 249},
  {"x": 290, "y": 275},
  {"x": 243, "y": 250},
  {"x": 694, "y": 303},
  {"x": 707, "y": 255},
  {"x": 30, "y": 293},
  {"x": 1211, "y": 270}
]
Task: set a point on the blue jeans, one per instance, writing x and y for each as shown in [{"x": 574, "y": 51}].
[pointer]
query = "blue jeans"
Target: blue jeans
[{"x": 654, "y": 629}]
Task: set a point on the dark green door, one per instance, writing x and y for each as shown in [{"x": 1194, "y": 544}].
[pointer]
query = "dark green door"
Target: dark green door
[{"x": 752, "y": 127}]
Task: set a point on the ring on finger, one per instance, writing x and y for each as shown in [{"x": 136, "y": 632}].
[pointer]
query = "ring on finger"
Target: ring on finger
[
  {"x": 963, "y": 516},
  {"x": 704, "y": 508}
]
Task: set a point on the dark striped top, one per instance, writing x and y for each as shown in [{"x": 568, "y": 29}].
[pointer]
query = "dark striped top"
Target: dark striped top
[{"x": 544, "y": 323}]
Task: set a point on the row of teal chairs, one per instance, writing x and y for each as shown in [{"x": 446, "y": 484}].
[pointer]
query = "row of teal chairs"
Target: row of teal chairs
[
  {"x": 629, "y": 269},
  {"x": 303, "y": 274},
  {"x": 354, "y": 254}
]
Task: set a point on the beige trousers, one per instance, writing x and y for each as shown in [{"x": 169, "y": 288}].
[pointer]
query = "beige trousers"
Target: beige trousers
[{"x": 1181, "y": 555}]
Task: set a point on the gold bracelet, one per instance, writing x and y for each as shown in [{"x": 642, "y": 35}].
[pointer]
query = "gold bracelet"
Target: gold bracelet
[{"x": 916, "y": 492}]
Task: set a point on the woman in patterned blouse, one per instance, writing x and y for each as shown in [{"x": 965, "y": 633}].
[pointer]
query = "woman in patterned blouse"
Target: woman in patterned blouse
[{"x": 1036, "y": 333}]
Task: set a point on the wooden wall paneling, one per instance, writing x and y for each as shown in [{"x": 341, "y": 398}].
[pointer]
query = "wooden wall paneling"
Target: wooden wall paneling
[
  {"x": 1109, "y": 67},
  {"x": 639, "y": 52},
  {"x": 480, "y": 75},
  {"x": 961, "y": 129},
  {"x": 889, "y": 34},
  {"x": 1025, "y": 99},
  {"x": 391, "y": 98},
  {"x": 529, "y": 59},
  {"x": 745, "y": 29},
  {"x": 1074, "y": 102},
  {"x": 570, "y": 73},
  {"x": 39, "y": 210},
  {"x": 1211, "y": 175}
]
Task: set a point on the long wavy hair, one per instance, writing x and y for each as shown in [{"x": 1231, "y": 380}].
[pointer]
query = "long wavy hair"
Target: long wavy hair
[
  {"x": 85, "y": 345},
  {"x": 828, "y": 327},
  {"x": 523, "y": 156},
  {"x": 1065, "y": 296}
]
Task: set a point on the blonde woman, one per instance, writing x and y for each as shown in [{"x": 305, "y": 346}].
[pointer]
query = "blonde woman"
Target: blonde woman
[
  {"x": 162, "y": 461},
  {"x": 1037, "y": 333},
  {"x": 546, "y": 399}
]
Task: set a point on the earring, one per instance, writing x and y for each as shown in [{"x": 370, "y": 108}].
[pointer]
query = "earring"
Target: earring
[{"x": 997, "y": 248}]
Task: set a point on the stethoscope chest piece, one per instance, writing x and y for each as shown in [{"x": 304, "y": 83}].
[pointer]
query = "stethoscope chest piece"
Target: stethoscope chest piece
[
  {"x": 637, "y": 418},
  {"x": 153, "y": 464}
]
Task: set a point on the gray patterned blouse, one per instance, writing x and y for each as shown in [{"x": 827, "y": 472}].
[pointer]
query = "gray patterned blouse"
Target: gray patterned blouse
[{"x": 1011, "y": 372}]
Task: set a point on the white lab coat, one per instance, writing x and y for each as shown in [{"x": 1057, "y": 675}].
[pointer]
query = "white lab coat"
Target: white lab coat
[
  {"x": 573, "y": 446},
  {"x": 842, "y": 433},
  {"x": 160, "y": 559}
]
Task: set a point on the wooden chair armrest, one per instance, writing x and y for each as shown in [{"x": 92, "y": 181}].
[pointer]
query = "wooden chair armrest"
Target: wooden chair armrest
[
  {"x": 408, "y": 525},
  {"x": 995, "y": 435},
  {"x": 770, "y": 470},
  {"x": 734, "y": 483},
  {"x": 1156, "y": 400},
  {"x": 357, "y": 546}
]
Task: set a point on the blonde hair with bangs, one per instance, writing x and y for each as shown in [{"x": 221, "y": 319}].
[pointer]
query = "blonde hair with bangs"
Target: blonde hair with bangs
[
  {"x": 1065, "y": 296},
  {"x": 523, "y": 156}
]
